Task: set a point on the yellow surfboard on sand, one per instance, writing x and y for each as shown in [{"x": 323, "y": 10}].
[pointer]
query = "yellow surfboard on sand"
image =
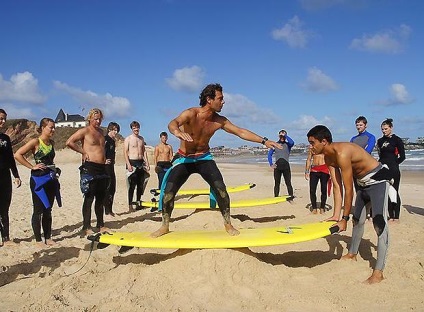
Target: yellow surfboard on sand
[
  {"x": 230, "y": 189},
  {"x": 220, "y": 238},
  {"x": 245, "y": 203}
]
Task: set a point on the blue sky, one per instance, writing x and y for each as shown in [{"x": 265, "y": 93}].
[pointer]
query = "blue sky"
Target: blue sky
[{"x": 282, "y": 64}]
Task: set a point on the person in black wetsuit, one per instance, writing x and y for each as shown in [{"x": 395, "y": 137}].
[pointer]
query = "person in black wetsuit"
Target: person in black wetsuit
[
  {"x": 391, "y": 151},
  {"x": 110, "y": 152},
  {"x": 44, "y": 173},
  {"x": 7, "y": 164}
]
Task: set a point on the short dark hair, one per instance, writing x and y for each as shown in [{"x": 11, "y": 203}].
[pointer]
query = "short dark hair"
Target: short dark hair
[
  {"x": 163, "y": 133},
  {"x": 320, "y": 132},
  {"x": 113, "y": 125},
  {"x": 388, "y": 122},
  {"x": 209, "y": 92},
  {"x": 2, "y": 111},
  {"x": 134, "y": 124},
  {"x": 361, "y": 118}
]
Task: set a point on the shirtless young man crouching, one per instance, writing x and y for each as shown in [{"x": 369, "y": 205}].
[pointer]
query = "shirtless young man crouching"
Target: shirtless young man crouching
[
  {"x": 195, "y": 127},
  {"x": 347, "y": 161},
  {"x": 92, "y": 149}
]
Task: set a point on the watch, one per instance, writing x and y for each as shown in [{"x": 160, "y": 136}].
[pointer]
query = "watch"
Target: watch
[
  {"x": 346, "y": 218},
  {"x": 264, "y": 139}
]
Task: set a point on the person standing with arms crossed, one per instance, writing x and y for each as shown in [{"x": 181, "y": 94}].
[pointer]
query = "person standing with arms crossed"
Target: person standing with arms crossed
[
  {"x": 364, "y": 139},
  {"x": 163, "y": 157},
  {"x": 94, "y": 179},
  {"x": 195, "y": 127},
  {"x": 281, "y": 165},
  {"x": 7, "y": 165},
  {"x": 135, "y": 156}
]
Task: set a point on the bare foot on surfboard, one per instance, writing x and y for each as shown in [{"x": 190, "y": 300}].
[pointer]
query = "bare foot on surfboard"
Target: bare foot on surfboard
[
  {"x": 231, "y": 230},
  {"x": 162, "y": 231}
]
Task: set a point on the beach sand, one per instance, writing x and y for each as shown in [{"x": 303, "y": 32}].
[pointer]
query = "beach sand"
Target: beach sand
[{"x": 306, "y": 276}]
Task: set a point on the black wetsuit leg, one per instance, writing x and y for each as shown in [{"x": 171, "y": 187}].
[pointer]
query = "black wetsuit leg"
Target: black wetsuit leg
[
  {"x": 323, "y": 184},
  {"x": 5, "y": 200},
  {"x": 42, "y": 216},
  {"x": 110, "y": 193},
  {"x": 313, "y": 183},
  {"x": 97, "y": 191},
  {"x": 277, "y": 180}
]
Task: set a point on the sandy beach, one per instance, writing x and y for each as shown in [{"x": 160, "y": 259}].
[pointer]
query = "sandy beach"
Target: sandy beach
[{"x": 305, "y": 276}]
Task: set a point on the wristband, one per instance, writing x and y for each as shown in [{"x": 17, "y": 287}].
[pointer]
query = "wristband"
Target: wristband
[{"x": 264, "y": 140}]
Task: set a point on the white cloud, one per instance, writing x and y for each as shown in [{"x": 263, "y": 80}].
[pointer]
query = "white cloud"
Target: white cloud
[
  {"x": 400, "y": 96},
  {"x": 306, "y": 122},
  {"x": 292, "y": 33},
  {"x": 187, "y": 79},
  {"x": 317, "y": 81},
  {"x": 18, "y": 113},
  {"x": 111, "y": 105},
  {"x": 240, "y": 108},
  {"x": 22, "y": 87},
  {"x": 388, "y": 41}
]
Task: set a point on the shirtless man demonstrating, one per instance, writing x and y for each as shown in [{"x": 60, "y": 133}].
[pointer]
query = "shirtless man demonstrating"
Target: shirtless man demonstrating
[
  {"x": 195, "y": 127},
  {"x": 135, "y": 156},
  {"x": 163, "y": 156},
  {"x": 94, "y": 180},
  {"x": 347, "y": 161}
]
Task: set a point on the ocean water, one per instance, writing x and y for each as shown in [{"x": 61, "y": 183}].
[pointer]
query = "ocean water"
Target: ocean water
[{"x": 414, "y": 159}]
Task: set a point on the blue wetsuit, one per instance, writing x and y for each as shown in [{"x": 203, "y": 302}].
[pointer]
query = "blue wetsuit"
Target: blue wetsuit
[{"x": 365, "y": 139}]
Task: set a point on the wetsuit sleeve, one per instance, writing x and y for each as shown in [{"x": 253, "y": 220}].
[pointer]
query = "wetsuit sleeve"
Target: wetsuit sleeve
[
  {"x": 289, "y": 142},
  {"x": 401, "y": 150},
  {"x": 370, "y": 144},
  {"x": 351, "y": 140},
  {"x": 270, "y": 153},
  {"x": 11, "y": 159}
]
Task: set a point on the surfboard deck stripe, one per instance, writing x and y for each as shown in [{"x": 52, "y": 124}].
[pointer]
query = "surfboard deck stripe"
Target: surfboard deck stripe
[
  {"x": 219, "y": 238},
  {"x": 244, "y": 203},
  {"x": 230, "y": 189}
]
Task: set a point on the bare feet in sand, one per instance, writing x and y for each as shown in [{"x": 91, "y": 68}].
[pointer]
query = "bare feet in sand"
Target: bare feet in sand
[
  {"x": 87, "y": 232},
  {"x": 348, "y": 256},
  {"x": 9, "y": 243},
  {"x": 103, "y": 229},
  {"x": 161, "y": 231},
  {"x": 50, "y": 242},
  {"x": 322, "y": 211},
  {"x": 376, "y": 277},
  {"x": 231, "y": 230},
  {"x": 314, "y": 211},
  {"x": 40, "y": 244}
]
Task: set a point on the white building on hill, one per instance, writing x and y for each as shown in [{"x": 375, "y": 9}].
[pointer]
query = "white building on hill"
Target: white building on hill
[{"x": 67, "y": 120}]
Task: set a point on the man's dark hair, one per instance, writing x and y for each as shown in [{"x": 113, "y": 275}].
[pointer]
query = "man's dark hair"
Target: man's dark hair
[
  {"x": 361, "y": 118},
  {"x": 320, "y": 132},
  {"x": 134, "y": 124},
  {"x": 209, "y": 92},
  {"x": 113, "y": 125},
  {"x": 2, "y": 111},
  {"x": 163, "y": 133}
]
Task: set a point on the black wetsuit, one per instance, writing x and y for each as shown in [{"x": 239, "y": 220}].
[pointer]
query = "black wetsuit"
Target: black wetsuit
[
  {"x": 209, "y": 172},
  {"x": 161, "y": 168},
  {"x": 391, "y": 151},
  {"x": 7, "y": 164},
  {"x": 98, "y": 182},
  {"x": 110, "y": 170},
  {"x": 41, "y": 215},
  {"x": 136, "y": 180}
]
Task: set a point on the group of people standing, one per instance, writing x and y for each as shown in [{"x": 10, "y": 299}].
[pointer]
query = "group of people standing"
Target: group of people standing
[{"x": 346, "y": 162}]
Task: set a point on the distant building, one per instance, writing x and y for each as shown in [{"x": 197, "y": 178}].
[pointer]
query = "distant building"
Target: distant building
[{"x": 67, "y": 120}]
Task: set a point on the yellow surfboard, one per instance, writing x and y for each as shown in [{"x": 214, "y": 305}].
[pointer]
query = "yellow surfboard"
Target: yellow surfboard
[
  {"x": 220, "y": 238},
  {"x": 244, "y": 203},
  {"x": 230, "y": 189}
]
